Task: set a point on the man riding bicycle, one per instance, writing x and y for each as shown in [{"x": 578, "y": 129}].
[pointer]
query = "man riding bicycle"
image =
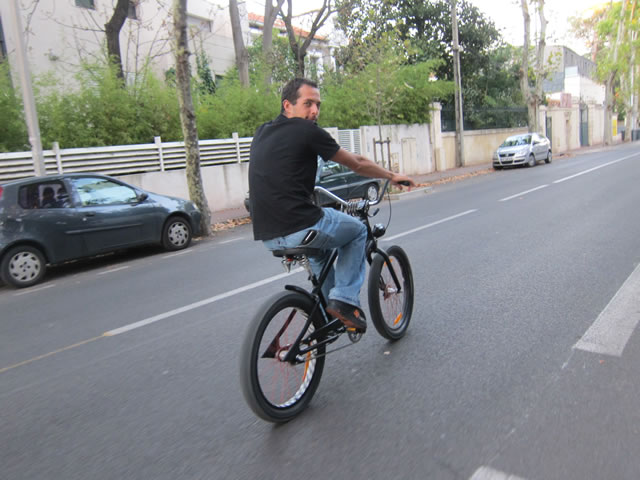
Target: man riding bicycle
[{"x": 282, "y": 172}]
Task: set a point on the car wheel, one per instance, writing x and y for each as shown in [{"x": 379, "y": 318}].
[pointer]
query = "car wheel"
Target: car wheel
[
  {"x": 548, "y": 159},
  {"x": 23, "y": 266},
  {"x": 176, "y": 234},
  {"x": 372, "y": 192},
  {"x": 532, "y": 161}
]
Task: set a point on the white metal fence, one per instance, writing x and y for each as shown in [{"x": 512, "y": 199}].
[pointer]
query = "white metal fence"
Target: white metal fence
[
  {"x": 128, "y": 159},
  {"x": 125, "y": 159}
]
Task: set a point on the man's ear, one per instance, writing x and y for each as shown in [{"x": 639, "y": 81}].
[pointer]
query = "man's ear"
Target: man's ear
[{"x": 286, "y": 106}]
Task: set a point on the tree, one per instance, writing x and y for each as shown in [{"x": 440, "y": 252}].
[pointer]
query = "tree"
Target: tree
[
  {"x": 187, "y": 115},
  {"x": 13, "y": 131},
  {"x": 381, "y": 89},
  {"x": 112, "y": 31},
  {"x": 424, "y": 32},
  {"x": 533, "y": 95},
  {"x": 270, "y": 15},
  {"x": 300, "y": 43},
  {"x": 278, "y": 68},
  {"x": 242, "y": 56},
  {"x": 611, "y": 30}
]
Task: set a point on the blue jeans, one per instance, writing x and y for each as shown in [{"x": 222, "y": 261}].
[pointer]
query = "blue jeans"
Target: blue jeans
[{"x": 347, "y": 234}]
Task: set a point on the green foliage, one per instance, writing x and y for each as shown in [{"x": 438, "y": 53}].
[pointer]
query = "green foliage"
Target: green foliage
[
  {"x": 423, "y": 32},
  {"x": 205, "y": 82},
  {"x": 101, "y": 111},
  {"x": 13, "y": 131},
  {"x": 281, "y": 65},
  {"x": 607, "y": 29},
  {"x": 236, "y": 109},
  {"x": 386, "y": 92}
]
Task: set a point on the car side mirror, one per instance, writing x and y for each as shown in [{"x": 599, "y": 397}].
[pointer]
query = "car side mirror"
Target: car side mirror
[{"x": 142, "y": 197}]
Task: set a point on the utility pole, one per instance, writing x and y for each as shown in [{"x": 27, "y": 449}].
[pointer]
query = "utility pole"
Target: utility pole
[
  {"x": 31, "y": 116},
  {"x": 457, "y": 79}
]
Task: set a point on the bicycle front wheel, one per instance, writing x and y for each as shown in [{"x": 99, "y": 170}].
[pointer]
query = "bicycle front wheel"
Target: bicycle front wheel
[
  {"x": 390, "y": 306},
  {"x": 277, "y": 390}
]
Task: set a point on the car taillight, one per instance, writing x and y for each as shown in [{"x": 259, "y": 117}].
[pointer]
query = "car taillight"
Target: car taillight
[{"x": 0, "y": 192}]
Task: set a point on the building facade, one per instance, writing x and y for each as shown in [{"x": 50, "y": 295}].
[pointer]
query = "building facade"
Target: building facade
[
  {"x": 62, "y": 34},
  {"x": 572, "y": 74}
]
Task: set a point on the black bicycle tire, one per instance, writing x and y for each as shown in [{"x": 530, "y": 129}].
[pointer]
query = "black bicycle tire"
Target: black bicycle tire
[
  {"x": 249, "y": 381},
  {"x": 375, "y": 307}
]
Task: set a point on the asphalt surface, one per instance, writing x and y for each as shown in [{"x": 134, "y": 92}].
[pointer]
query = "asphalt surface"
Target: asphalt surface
[{"x": 128, "y": 367}]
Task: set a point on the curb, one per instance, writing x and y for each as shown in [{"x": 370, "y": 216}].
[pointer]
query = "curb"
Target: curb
[{"x": 412, "y": 193}]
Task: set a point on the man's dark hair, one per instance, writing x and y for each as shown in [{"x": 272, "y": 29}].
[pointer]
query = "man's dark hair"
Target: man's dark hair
[{"x": 290, "y": 90}]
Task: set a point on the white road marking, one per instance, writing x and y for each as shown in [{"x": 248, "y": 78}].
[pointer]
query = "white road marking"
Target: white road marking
[
  {"x": 117, "y": 269},
  {"x": 414, "y": 230},
  {"x": 595, "y": 168},
  {"x": 522, "y": 193},
  {"x": 35, "y": 289},
  {"x": 488, "y": 473},
  {"x": 176, "y": 254},
  {"x": 232, "y": 240},
  {"x": 201, "y": 303},
  {"x": 614, "y": 326}
]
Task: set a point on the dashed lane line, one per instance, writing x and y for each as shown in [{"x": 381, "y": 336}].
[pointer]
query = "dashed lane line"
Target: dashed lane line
[
  {"x": 429, "y": 225},
  {"x": 41, "y": 357},
  {"x": 522, "y": 193},
  {"x": 595, "y": 168},
  {"x": 488, "y": 473}
]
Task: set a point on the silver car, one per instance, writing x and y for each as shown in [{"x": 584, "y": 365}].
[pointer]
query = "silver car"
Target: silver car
[{"x": 526, "y": 149}]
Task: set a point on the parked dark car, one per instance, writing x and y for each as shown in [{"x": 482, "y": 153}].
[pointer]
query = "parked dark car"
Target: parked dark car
[
  {"x": 341, "y": 181},
  {"x": 526, "y": 149},
  {"x": 54, "y": 219}
]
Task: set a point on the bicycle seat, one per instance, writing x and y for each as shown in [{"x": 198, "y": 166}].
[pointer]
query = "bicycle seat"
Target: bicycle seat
[{"x": 297, "y": 252}]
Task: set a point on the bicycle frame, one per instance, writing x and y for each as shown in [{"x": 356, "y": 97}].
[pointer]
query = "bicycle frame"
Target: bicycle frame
[{"x": 322, "y": 335}]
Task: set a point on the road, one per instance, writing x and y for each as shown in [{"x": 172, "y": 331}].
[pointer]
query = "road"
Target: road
[{"x": 521, "y": 359}]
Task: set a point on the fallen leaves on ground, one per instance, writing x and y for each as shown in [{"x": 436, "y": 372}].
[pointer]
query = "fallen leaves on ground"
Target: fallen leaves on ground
[
  {"x": 228, "y": 224},
  {"x": 455, "y": 178}
]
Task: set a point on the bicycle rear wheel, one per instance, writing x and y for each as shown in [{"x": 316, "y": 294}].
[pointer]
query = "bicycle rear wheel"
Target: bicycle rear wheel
[
  {"x": 390, "y": 307},
  {"x": 276, "y": 390}
]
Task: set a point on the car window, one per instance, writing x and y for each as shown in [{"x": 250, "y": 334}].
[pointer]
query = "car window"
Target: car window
[
  {"x": 517, "y": 141},
  {"x": 43, "y": 195},
  {"x": 330, "y": 168},
  {"x": 100, "y": 191}
]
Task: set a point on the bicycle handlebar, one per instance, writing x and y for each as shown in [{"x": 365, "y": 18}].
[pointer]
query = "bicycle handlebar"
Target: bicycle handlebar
[{"x": 344, "y": 203}]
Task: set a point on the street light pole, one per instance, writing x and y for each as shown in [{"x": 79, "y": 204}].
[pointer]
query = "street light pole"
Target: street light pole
[
  {"x": 28, "y": 100},
  {"x": 458, "y": 88}
]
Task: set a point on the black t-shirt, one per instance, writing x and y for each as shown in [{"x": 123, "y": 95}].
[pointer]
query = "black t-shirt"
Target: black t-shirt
[{"x": 282, "y": 174}]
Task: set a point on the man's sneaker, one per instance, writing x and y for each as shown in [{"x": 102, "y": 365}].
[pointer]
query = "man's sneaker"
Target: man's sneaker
[{"x": 350, "y": 315}]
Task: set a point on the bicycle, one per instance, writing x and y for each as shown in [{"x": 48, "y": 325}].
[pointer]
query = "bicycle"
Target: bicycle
[{"x": 283, "y": 354}]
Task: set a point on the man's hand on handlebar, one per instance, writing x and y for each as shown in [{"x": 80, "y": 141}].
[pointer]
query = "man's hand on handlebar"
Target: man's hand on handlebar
[{"x": 402, "y": 180}]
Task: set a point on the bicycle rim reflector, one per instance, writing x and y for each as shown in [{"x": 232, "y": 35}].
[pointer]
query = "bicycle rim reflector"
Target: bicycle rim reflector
[{"x": 397, "y": 320}]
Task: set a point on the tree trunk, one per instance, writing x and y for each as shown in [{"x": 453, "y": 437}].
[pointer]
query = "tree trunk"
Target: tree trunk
[
  {"x": 540, "y": 66},
  {"x": 299, "y": 46},
  {"x": 524, "y": 72},
  {"x": 609, "y": 94},
  {"x": 242, "y": 55},
  {"x": 270, "y": 15},
  {"x": 188, "y": 116},
  {"x": 112, "y": 32}
]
